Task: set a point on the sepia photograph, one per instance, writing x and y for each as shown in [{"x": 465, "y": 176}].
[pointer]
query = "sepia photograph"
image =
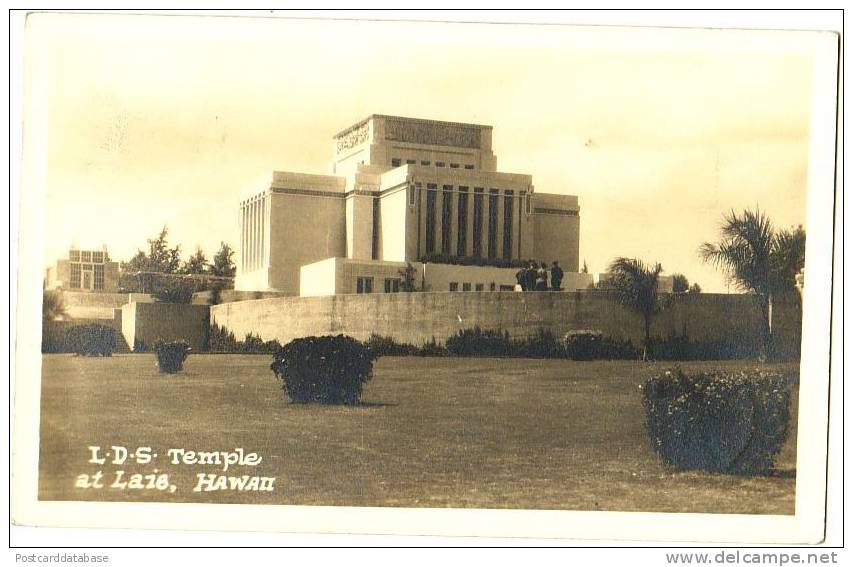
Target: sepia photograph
[{"x": 424, "y": 277}]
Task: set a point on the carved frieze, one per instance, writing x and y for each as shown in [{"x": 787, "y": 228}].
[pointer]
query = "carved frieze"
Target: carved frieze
[
  {"x": 433, "y": 133},
  {"x": 353, "y": 137}
]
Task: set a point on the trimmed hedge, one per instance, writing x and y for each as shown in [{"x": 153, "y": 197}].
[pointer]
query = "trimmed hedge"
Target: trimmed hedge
[
  {"x": 717, "y": 421},
  {"x": 479, "y": 342},
  {"x": 326, "y": 370},
  {"x": 171, "y": 355},
  {"x": 388, "y": 346},
  {"x": 593, "y": 345},
  {"x": 91, "y": 340},
  {"x": 222, "y": 340},
  {"x": 541, "y": 345}
]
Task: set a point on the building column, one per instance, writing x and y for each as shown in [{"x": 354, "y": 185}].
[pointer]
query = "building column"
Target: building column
[
  {"x": 469, "y": 240},
  {"x": 439, "y": 224},
  {"x": 420, "y": 200},
  {"x": 511, "y": 229},
  {"x": 250, "y": 258},
  {"x": 452, "y": 217},
  {"x": 499, "y": 227},
  {"x": 484, "y": 229},
  {"x": 255, "y": 234},
  {"x": 242, "y": 223}
]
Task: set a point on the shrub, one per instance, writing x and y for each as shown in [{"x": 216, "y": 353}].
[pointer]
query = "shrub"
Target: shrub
[
  {"x": 432, "y": 348},
  {"x": 387, "y": 346},
  {"x": 478, "y": 342},
  {"x": 717, "y": 421},
  {"x": 593, "y": 345},
  {"x": 221, "y": 340},
  {"x": 171, "y": 355},
  {"x": 542, "y": 345},
  {"x": 91, "y": 340},
  {"x": 582, "y": 344},
  {"x": 327, "y": 370}
]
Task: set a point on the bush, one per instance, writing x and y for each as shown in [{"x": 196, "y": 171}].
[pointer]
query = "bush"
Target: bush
[
  {"x": 222, "y": 340},
  {"x": 171, "y": 356},
  {"x": 717, "y": 421},
  {"x": 478, "y": 342},
  {"x": 387, "y": 346},
  {"x": 327, "y": 370},
  {"x": 542, "y": 345},
  {"x": 583, "y": 344},
  {"x": 432, "y": 348},
  {"x": 91, "y": 340},
  {"x": 593, "y": 345}
]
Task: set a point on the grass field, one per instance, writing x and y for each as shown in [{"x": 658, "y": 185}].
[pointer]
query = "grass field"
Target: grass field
[{"x": 433, "y": 432}]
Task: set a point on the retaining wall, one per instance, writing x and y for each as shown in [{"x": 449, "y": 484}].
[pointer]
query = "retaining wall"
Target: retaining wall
[
  {"x": 418, "y": 317},
  {"x": 149, "y": 322}
]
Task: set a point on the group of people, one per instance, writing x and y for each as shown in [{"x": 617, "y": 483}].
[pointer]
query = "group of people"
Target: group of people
[{"x": 535, "y": 278}]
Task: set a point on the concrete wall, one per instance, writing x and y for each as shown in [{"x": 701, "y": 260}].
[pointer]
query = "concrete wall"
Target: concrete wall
[
  {"x": 148, "y": 322},
  {"x": 229, "y": 295},
  {"x": 54, "y": 331},
  {"x": 90, "y": 305},
  {"x": 417, "y": 317}
]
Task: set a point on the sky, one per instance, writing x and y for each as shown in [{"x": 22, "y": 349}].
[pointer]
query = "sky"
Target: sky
[{"x": 161, "y": 120}]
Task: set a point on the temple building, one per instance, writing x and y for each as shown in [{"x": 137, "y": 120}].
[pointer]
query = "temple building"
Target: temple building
[{"x": 404, "y": 192}]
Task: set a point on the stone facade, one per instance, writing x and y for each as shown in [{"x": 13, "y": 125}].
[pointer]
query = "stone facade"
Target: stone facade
[{"x": 402, "y": 190}]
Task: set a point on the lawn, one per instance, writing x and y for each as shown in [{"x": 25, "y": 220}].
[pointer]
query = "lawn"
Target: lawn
[{"x": 433, "y": 432}]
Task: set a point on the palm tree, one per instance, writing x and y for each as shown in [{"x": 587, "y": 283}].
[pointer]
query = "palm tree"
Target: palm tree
[
  {"x": 758, "y": 259},
  {"x": 637, "y": 286}
]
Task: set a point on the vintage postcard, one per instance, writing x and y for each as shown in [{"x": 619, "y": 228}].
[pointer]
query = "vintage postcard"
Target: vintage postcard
[{"x": 411, "y": 277}]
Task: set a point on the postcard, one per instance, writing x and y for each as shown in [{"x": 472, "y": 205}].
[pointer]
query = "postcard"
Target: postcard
[{"x": 419, "y": 277}]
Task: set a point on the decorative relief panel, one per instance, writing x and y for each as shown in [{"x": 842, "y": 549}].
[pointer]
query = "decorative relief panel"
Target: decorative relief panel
[
  {"x": 351, "y": 138},
  {"x": 432, "y": 133}
]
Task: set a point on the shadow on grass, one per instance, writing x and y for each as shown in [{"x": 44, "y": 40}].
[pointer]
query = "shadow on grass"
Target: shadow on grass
[
  {"x": 782, "y": 473},
  {"x": 365, "y": 405}
]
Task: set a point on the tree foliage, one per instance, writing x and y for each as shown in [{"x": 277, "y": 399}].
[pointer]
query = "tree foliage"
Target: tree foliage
[
  {"x": 758, "y": 259},
  {"x": 637, "y": 287},
  {"x": 52, "y": 306},
  {"x": 223, "y": 262},
  {"x": 159, "y": 258},
  {"x": 196, "y": 264},
  {"x": 680, "y": 283}
]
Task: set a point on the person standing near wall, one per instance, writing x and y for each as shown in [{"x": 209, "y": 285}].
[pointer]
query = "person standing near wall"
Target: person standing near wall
[
  {"x": 530, "y": 277},
  {"x": 556, "y": 276},
  {"x": 542, "y": 278},
  {"x": 521, "y": 279}
]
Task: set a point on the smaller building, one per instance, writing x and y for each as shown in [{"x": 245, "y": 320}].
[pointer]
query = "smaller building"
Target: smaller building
[
  {"x": 334, "y": 276},
  {"x": 84, "y": 271}
]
